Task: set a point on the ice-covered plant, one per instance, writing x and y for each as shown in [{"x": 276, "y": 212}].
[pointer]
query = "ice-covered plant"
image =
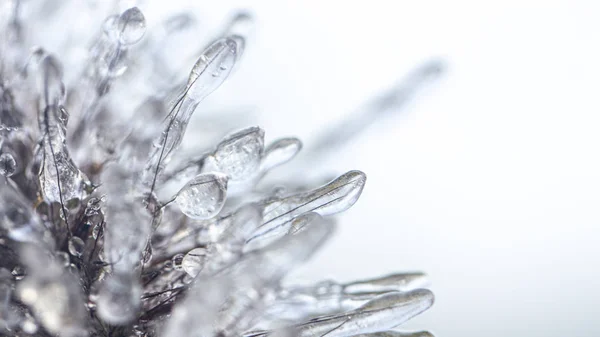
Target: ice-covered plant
[{"x": 107, "y": 230}]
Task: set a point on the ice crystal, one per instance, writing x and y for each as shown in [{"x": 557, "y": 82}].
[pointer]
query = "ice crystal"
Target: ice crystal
[{"x": 106, "y": 230}]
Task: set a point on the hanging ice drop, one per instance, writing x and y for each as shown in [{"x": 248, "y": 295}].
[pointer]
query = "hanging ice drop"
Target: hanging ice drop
[{"x": 204, "y": 196}]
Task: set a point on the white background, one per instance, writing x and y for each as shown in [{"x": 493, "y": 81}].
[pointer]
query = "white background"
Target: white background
[{"x": 489, "y": 181}]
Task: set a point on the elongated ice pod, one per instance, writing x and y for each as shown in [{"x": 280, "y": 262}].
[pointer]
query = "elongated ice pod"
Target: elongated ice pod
[
  {"x": 397, "y": 334},
  {"x": 382, "y": 313},
  {"x": 329, "y": 297},
  {"x": 108, "y": 61},
  {"x": 336, "y": 196},
  {"x": 60, "y": 178},
  {"x": 209, "y": 72}
]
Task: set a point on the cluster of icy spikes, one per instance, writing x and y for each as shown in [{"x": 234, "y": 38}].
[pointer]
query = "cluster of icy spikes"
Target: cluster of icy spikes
[{"x": 99, "y": 236}]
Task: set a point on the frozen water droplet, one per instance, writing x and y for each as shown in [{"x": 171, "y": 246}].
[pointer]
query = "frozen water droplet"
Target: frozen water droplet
[
  {"x": 280, "y": 152},
  {"x": 177, "y": 261},
  {"x": 76, "y": 246},
  {"x": 119, "y": 299},
  {"x": 194, "y": 199},
  {"x": 131, "y": 26},
  {"x": 239, "y": 155},
  {"x": 8, "y": 165},
  {"x": 193, "y": 261}
]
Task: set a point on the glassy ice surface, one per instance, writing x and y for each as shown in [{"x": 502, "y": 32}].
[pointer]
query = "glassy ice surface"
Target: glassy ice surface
[
  {"x": 109, "y": 226},
  {"x": 204, "y": 196}
]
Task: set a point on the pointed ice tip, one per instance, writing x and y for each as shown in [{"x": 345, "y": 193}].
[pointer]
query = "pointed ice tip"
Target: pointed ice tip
[{"x": 419, "y": 299}]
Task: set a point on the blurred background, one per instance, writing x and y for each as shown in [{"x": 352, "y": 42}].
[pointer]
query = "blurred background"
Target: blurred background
[{"x": 488, "y": 180}]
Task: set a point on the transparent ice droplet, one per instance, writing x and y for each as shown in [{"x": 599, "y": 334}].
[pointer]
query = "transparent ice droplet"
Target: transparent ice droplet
[
  {"x": 131, "y": 26},
  {"x": 119, "y": 299},
  {"x": 212, "y": 68},
  {"x": 76, "y": 246},
  {"x": 204, "y": 196},
  {"x": 279, "y": 152},
  {"x": 193, "y": 261},
  {"x": 239, "y": 155},
  {"x": 8, "y": 165}
]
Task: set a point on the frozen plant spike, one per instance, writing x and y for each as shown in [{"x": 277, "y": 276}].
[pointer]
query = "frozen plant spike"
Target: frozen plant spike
[
  {"x": 382, "y": 313},
  {"x": 131, "y": 26},
  {"x": 280, "y": 152},
  {"x": 239, "y": 155},
  {"x": 397, "y": 334},
  {"x": 204, "y": 196},
  {"x": 392, "y": 282},
  {"x": 61, "y": 180},
  {"x": 209, "y": 72},
  {"x": 336, "y": 196}
]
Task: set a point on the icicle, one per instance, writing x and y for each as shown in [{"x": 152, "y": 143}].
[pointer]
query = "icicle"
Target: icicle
[
  {"x": 328, "y": 297},
  {"x": 382, "y": 313},
  {"x": 61, "y": 180},
  {"x": 337, "y": 196},
  {"x": 109, "y": 60},
  {"x": 397, "y": 334},
  {"x": 209, "y": 72}
]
